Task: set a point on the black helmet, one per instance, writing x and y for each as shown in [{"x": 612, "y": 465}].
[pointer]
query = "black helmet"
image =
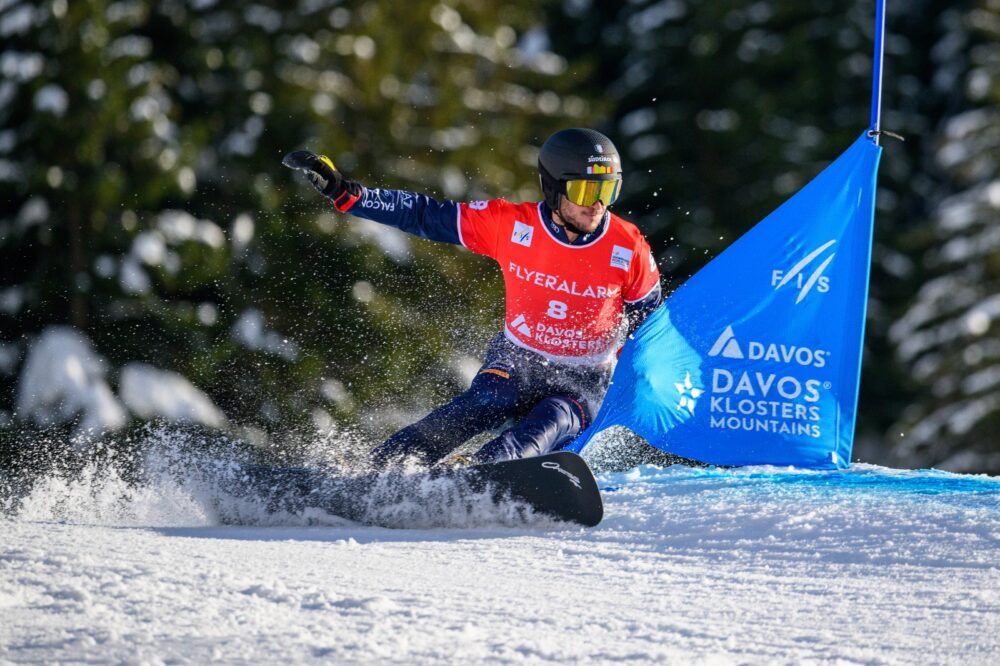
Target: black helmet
[{"x": 577, "y": 154}]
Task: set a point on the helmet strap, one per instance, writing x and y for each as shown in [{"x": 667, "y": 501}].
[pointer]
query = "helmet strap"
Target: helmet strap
[{"x": 566, "y": 223}]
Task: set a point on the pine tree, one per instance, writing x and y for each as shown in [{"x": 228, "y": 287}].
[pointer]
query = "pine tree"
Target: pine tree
[
  {"x": 143, "y": 199},
  {"x": 949, "y": 337},
  {"x": 723, "y": 110}
]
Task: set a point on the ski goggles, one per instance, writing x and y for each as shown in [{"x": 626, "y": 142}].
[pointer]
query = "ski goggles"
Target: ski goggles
[{"x": 589, "y": 192}]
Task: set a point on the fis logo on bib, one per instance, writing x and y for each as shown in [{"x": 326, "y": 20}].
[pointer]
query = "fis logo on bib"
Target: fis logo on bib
[
  {"x": 621, "y": 257},
  {"x": 522, "y": 233}
]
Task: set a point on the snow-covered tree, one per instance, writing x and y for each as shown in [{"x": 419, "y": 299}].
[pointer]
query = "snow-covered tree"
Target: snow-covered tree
[
  {"x": 949, "y": 337},
  {"x": 143, "y": 202},
  {"x": 722, "y": 110}
]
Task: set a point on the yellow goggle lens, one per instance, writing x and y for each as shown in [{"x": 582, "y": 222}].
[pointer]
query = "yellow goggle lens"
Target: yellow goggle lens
[{"x": 589, "y": 192}]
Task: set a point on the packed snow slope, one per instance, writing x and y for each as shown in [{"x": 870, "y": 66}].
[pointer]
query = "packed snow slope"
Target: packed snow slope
[{"x": 866, "y": 565}]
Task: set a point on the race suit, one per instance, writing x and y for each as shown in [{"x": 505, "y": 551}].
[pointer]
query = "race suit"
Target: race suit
[{"x": 565, "y": 303}]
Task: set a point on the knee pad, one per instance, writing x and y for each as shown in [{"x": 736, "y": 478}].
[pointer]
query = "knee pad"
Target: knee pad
[
  {"x": 551, "y": 424},
  {"x": 575, "y": 410},
  {"x": 569, "y": 414}
]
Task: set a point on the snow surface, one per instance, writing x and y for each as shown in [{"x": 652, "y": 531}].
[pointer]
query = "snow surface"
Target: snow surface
[{"x": 758, "y": 565}]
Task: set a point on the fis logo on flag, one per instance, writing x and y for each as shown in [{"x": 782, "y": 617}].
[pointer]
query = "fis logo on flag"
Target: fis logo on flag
[
  {"x": 522, "y": 233},
  {"x": 815, "y": 261}
]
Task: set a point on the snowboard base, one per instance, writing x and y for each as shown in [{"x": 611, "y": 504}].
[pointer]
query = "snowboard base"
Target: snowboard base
[{"x": 557, "y": 485}]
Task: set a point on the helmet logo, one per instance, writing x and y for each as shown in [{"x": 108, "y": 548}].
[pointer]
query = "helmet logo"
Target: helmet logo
[
  {"x": 598, "y": 147},
  {"x": 600, "y": 169}
]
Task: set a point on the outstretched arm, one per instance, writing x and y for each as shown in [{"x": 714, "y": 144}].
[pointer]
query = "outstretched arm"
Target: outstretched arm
[{"x": 413, "y": 213}]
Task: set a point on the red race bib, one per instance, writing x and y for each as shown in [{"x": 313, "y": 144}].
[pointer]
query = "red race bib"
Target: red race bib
[{"x": 563, "y": 301}]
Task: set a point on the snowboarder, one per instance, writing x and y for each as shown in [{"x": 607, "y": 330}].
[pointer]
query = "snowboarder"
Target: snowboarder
[{"x": 573, "y": 271}]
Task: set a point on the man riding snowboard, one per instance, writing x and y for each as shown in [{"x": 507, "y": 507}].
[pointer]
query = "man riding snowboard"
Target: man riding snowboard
[{"x": 572, "y": 272}]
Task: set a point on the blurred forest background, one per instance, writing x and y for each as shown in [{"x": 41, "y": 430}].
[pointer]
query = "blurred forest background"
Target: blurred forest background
[{"x": 157, "y": 260}]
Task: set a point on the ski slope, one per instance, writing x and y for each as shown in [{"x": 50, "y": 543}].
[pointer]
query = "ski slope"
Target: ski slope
[{"x": 757, "y": 565}]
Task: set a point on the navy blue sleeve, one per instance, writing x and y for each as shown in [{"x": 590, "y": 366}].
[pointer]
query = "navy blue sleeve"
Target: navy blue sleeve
[
  {"x": 638, "y": 311},
  {"x": 416, "y": 214}
]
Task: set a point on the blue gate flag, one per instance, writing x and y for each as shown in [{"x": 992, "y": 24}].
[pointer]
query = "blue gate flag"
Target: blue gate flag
[{"x": 756, "y": 359}]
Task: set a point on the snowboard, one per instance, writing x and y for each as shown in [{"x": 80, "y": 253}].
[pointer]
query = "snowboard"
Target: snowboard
[{"x": 557, "y": 485}]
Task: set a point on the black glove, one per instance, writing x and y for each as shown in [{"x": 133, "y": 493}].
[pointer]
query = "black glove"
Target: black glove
[{"x": 325, "y": 177}]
